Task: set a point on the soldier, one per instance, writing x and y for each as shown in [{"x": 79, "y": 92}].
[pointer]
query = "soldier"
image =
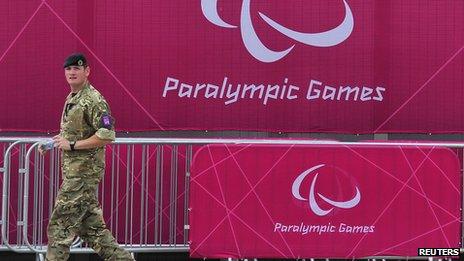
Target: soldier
[{"x": 86, "y": 127}]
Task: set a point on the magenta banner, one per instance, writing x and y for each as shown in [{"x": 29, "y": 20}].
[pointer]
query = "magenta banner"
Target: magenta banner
[
  {"x": 322, "y": 201},
  {"x": 351, "y": 66}
]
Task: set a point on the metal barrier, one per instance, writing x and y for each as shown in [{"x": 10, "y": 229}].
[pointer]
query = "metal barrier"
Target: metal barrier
[
  {"x": 11, "y": 146},
  {"x": 144, "y": 192}
]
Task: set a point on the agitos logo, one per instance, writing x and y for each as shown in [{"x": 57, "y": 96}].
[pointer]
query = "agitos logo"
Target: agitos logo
[
  {"x": 313, "y": 205},
  {"x": 260, "y": 51}
]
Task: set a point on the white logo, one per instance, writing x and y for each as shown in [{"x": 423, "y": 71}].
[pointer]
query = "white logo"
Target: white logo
[
  {"x": 312, "y": 201},
  {"x": 256, "y": 47}
]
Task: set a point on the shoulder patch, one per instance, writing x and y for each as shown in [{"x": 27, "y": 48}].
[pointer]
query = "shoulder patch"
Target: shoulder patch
[{"x": 106, "y": 121}]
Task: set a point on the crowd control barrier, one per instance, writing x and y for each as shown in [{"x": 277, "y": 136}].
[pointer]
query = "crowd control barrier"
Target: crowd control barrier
[{"x": 145, "y": 193}]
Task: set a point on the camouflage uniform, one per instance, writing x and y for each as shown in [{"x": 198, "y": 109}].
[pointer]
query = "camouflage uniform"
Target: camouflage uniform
[{"x": 77, "y": 210}]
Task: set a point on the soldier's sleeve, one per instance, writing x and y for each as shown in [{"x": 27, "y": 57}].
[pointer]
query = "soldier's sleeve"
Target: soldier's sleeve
[{"x": 102, "y": 121}]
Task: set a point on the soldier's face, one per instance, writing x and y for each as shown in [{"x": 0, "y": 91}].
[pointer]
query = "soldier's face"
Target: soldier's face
[{"x": 76, "y": 75}]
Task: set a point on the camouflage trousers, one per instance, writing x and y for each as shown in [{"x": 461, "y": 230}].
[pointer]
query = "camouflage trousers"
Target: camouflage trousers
[{"x": 77, "y": 212}]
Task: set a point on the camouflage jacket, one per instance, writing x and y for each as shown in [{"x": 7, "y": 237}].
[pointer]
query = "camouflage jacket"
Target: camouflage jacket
[{"x": 84, "y": 114}]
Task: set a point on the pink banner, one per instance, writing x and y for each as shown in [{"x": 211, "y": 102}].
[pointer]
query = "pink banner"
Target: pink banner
[
  {"x": 322, "y": 201},
  {"x": 353, "y": 66}
]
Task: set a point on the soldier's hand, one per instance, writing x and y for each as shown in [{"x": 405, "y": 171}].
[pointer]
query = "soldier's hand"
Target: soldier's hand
[
  {"x": 41, "y": 151},
  {"x": 61, "y": 143}
]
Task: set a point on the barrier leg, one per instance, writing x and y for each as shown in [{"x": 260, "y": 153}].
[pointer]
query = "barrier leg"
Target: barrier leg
[{"x": 39, "y": 257}]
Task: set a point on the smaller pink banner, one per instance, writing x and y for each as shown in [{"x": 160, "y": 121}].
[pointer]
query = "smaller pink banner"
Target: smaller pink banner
[{"x": 278, "y": 201}]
